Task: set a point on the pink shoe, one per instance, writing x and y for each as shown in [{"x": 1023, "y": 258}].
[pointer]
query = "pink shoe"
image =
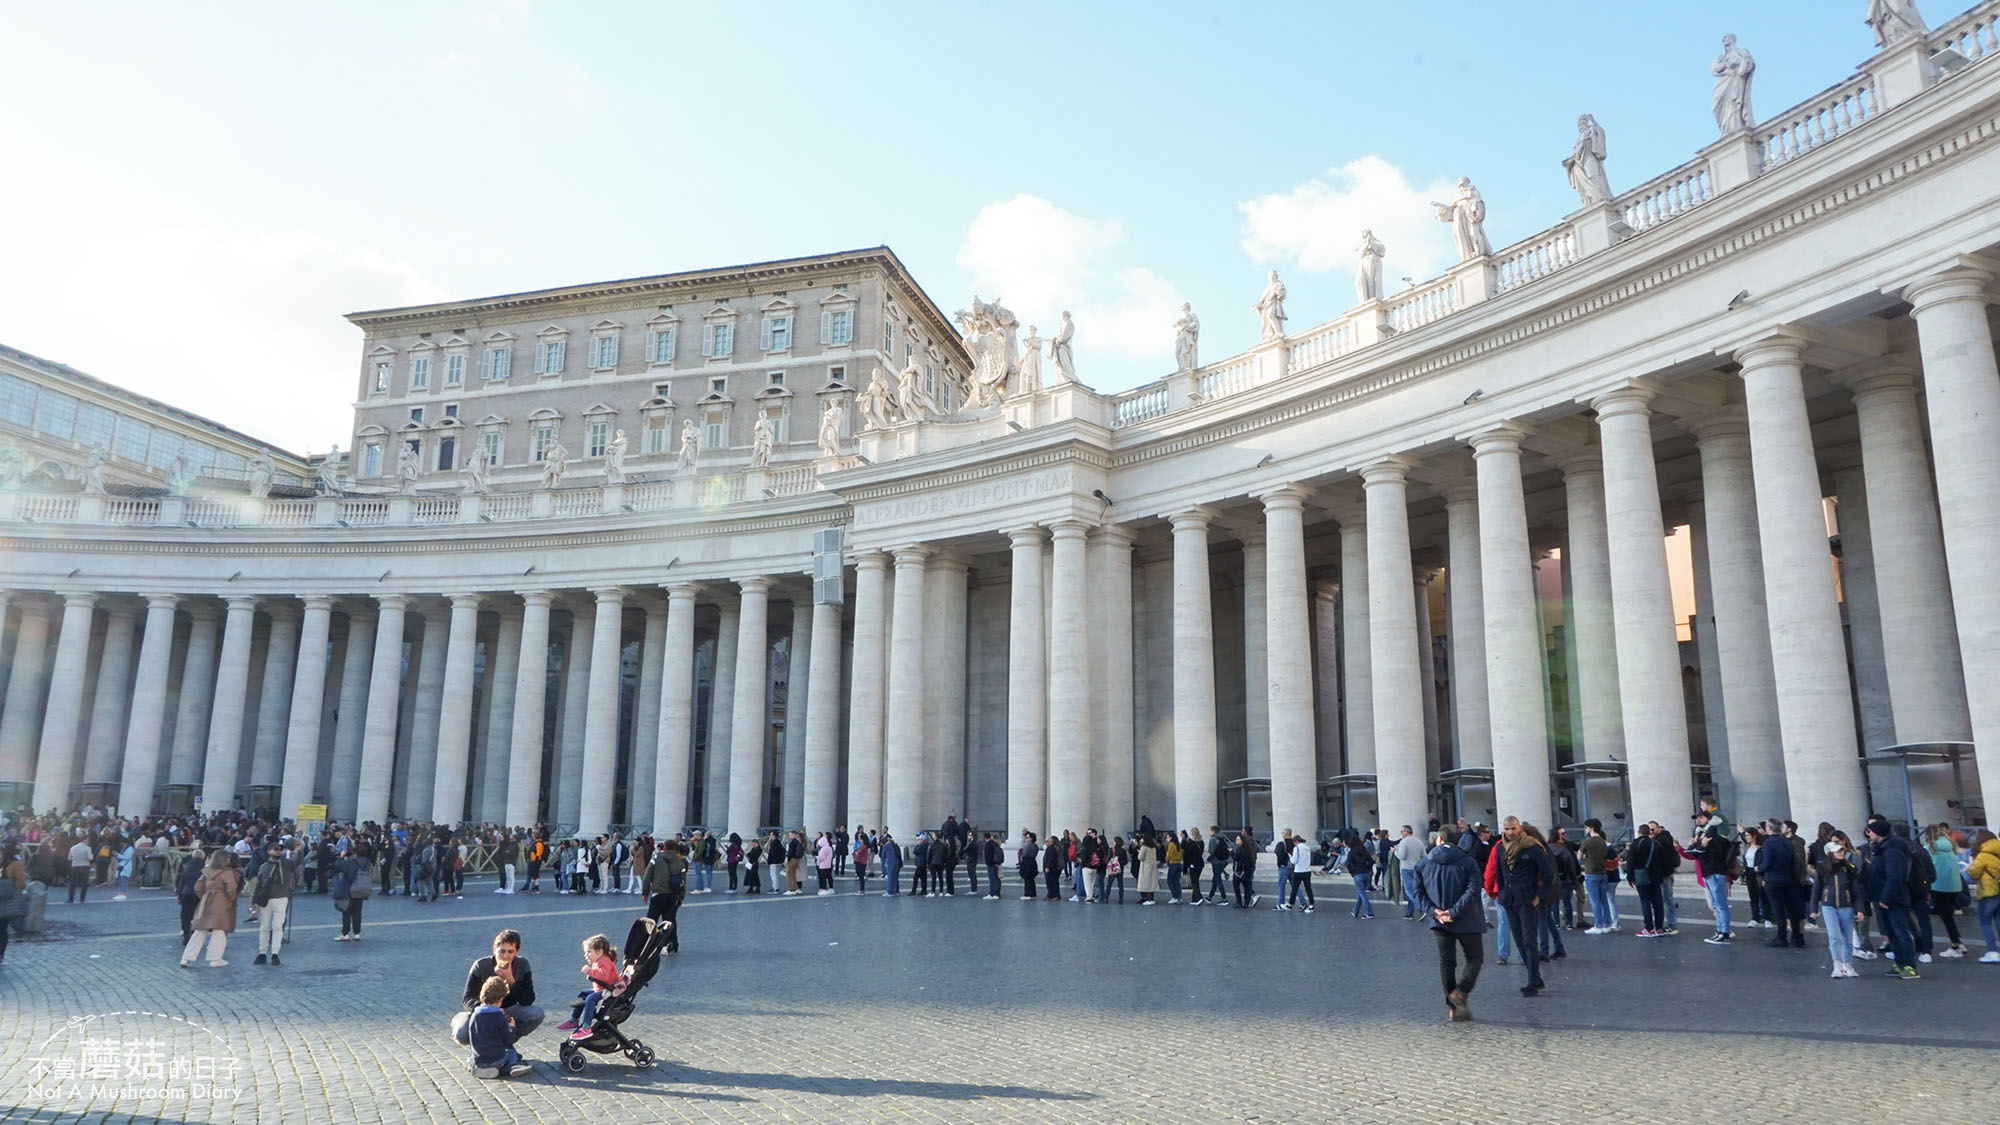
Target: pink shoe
[
  {"x": 580, "y": 1033},
  {"x": 566, "y": 1025}
]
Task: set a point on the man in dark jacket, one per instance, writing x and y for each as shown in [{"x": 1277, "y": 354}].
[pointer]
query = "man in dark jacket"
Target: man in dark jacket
[
  {"x": 892, "y": 864},
  {"x": 994, "y": 855},
  {"x": 1445, "y": 885},
  {"x": 1527, "y": 880},
  {"x": 1889, "y": 890},
  {"x": 1784, "y": 883}
]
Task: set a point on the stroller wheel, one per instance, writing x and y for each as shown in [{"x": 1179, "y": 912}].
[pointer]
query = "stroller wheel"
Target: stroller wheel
[
  {"x": 642, "y": 1056},
  {"x": 573, "y": 1061}
]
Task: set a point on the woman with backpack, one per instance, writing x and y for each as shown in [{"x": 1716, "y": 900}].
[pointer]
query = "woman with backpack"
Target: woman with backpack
[{"x": 1946, "y": 884}]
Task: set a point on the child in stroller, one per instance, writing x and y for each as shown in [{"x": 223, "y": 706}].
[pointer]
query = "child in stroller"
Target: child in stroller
[
  {"x": 604, "y": 1011},
  {"x": 602, "y": 974}
]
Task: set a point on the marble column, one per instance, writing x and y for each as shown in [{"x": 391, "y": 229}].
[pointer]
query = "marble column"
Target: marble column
[
  {"x": 274, "y": 698},
  {"x": 1027, "y": 680},
  {"x": 868, "y": 697},
  {"x": 420, "y": 788},
  {"x": 112, "y": 699},
  {"x": 1256, "y": 658},
  {"x": 1919, "y": 639},
  {"x": 63, "y": 719},
  {"x": 798, "y": 720},
  {"x": 1864, "y": 626},
  {"x": 1421, "y": 578},
  {"x": 351, "y": 715},
  {"x": 1742, "y": 623},
  {"x": 140, "y": 772},
  {"x": 1472, "y": 735},
  {"x": 1326, "y": 676},
  {"x": 1197, "y": 791},
  {"x": 225, "y": 724},
  {"x": 531, "y": 688},
  {"x": 385, "y": 684},
  {"x": 184, "y": 765},
  {"x": 819, "y": 787},
  {"x": 1516, "y": 701},
  {"x": 944, "y": 699},
  {"x": 721, "y": 717},
  {"x": 1808, "y": 645},
  {"x": 904, "y": 777},
  {"x": 1962, "y": 396},
  {"x": 646, "y": 718},
  {"x": 454, "y": 724},
  {"x": 750, "y": 725},
  {"x": 675, "y": 733},
  {"x": 1288, "y": 638},
  {"x": 1112, "y": 783},
  {"x": 1653, "y": 706},
  {"x": 566, "y": 779},
  {"x": 1396, "y": 678},
  {"x": 20, "y": 722},
  {"x": 302, "y": 727},
  {"x": 597, "y": 774},
  {"x": 1072, "y": 690},
  {"x": 503, "y": 671},
  {"x": 1357, "y": 692},
  {"x": 1599, "y": 731}
]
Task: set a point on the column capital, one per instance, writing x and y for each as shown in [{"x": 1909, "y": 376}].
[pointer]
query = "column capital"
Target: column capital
[
  {"x": 610, "y": 595},
  {"x": 1889, "y": 376},
  {"x": 541, "y": 599},
  {"x": 871, "y": 560},
  {"x": 755, "y": 584},
  {"x": 122, "y": 608},
  {"x": 1503, "y": 438},
  {"x": 1197, "y": 518},
  {"x": 1394, "y": 469},
  {"x": 949, "y": 560},
  {"x": 1030, "y": 536},
  {"x": 1113, "y": 535},
  {"x": 683, "y": 592},
  {"x": 1285, "y": 497},
  {"x": 393, "y": 601},
  {"x": 1778, "y": 350},
  {"x": 911, "y": 557},
  {"x": 1963, "y": 282},
  {"x": 281, "y": 609},
  {"x": 322, "y": 603},
  {"x": 83, "y": 599},
  {"x": 1585, "y": 462},
  {"x": 1633, "y": 398},
  {"x": 467, "y": 601},
  {"x": 1460, "y": 493},
  {"x": 1720, "y": 427},
  {"x": 201, "y": 610},
  {"x": 1062, "y": 530}
]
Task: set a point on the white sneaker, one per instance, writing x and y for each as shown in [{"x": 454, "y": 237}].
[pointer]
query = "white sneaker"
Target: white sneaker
[
  {"x": 1992, "y": 958},
  {"x": 1869, "y": 954},
  {"x": 1954, "y": 952},
  {"x": 1923, "y": 958},
  {"x": 1837, "y": 974}
]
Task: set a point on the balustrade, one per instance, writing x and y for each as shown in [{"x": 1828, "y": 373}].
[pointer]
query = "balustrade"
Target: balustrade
[
  {"x": 1666, "y": 196},
  {"x": 1139, "y": 404},
  {"x": 1838, "y": 111},
  {"x": 1536, "y": 257},
  {"x": 1974, "y": 35},
  {"x": 1322, "y": 344},
  {"x": 1425, "y": 303}
]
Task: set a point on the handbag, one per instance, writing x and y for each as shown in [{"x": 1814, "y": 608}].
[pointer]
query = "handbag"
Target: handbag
[{"x": 364, "y": 886}]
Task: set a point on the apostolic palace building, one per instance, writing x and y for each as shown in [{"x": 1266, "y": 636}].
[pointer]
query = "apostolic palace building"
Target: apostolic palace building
[{"x": 792, "y": 544}]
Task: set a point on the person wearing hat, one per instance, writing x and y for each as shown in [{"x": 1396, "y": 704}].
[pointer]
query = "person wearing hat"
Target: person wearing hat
[
  {"x": 271, "y": 893},
  {"x": 1889, "y": 891},
  {"x": 1837, "y": 894}
]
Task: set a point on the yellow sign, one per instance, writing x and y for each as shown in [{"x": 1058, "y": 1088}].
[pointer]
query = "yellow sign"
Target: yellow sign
[{"x": 311, "y": 812}]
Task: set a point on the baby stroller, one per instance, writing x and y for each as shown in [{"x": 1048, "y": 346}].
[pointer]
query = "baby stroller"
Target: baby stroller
[{"x": 644, "y": 944}]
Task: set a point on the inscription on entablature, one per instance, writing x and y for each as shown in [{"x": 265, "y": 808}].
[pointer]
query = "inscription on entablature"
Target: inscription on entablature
[{"x": 975, "y": 497}]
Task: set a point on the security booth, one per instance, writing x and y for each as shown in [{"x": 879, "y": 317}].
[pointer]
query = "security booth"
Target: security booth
[
  {"x": 1336, "y": 795},
  {"x": 1928, "y": 753},
  {"x": 1453, "y": 784},
  {"x": 1242, "y": 795},
  {"x": 1578, "y": 776}
]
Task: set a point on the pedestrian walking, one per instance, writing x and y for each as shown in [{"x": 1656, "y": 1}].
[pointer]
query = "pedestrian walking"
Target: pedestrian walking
[
  {"x": 1527, "y": 879},
  {"x": 1445, "y": 885}
]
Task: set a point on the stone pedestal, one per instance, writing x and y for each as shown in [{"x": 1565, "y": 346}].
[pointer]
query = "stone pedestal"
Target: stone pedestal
[
  {"x": 326, "y": 511},
  {"x": 1371, "y": 323},
  {"x": 90, "y": 509},
  {"x": 685, "y": 483},
  {"x": 613, "y": 499},
  {"x": 541, "y": 503},
  {"x": 1902, "y": 71},
  {"x": 470, "y": 507},
  {"x": 1733, "y": 161},
  {"x": 1270, "y": 359},
  {"x": 173, "y": 510},
  {"x": 756, "y": 479},
  {"x": 1181, "y": 388},
  {"x": 1476, "y": 280},
  {"x": 1598, "y": 228},
  {"x": 399, "y": 511}
]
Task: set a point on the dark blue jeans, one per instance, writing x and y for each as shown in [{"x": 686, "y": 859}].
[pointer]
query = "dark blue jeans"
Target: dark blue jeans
[{"x": 1896, "y": 926}]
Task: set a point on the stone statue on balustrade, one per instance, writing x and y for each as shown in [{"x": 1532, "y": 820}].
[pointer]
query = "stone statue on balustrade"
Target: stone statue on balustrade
[
  {"x": 180, "y": 475},
  {"x": 829, "y": 428},
  {"x": 13, "y": 466},
  {"x": 555, "y": 460},
  {"x": 877, "y": 408},
  {"x": 1368, "y": 271},
  {"x": 261, "y": 473},
  {"x": 93, "y": 471},
  {"x": 1586, "y": 163},
  {"x": 1467, "y": 215},
  {"x": 614, "y": 459},
  {"x": 472, "y": 482},
  {"x": 327, "y": 479},
  {"x": 1895, "y": 21},
  {"x": 406, "y": 470},
  {"x": 990, "y": 331},
  {"x": 1187, "y": 340},
  {"x": 1271, "y": 308},
  {"x": 1731, "y": 101},
  {"x": 912, "y": 397},
  {"x": 763, "y": 436},
  {"x": 1059, "y": 350},
  {"x": 690, "y": 452},
  {"x": 1028, "y": 367}
]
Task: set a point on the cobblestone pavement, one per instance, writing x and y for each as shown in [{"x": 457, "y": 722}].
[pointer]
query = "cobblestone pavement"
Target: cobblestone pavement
[{"x": 867, "y": 1009}]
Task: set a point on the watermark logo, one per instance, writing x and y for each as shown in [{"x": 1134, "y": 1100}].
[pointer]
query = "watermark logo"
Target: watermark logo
[{"x": 135, "y": 1056}]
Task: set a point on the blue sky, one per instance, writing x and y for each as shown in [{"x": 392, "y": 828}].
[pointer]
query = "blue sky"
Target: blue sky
[{"x": 194, "y": 194}]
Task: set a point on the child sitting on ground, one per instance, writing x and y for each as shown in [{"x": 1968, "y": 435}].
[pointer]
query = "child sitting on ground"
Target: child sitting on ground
[
  {"x": 602, "y": 972},
  {"x": 492, "y": 1034}
]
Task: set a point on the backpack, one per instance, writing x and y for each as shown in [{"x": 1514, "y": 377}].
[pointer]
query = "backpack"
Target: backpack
[
  {"x": 1733, "y": 865},
  {"x": 1922, "y": 873},
  {"x": 708, "y": 850}
]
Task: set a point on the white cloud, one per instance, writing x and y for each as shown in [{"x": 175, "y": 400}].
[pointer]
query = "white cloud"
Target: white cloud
[
  {"x": 1040, "y": 260},
  {"x": 1317, "y": 225},
  {"x": 242, "y": 328}
]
